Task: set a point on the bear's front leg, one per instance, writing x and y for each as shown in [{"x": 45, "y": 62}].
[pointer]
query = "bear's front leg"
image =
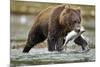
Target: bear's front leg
[
  {"x": 55, "y": 42},
  {"x": 82, "y": 42},
  {"x": 59, "y": 43},
  {"x": 51, "y": 43}
]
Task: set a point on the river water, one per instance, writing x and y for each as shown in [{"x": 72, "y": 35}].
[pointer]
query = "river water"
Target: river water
[{"x": 39, "y": 56}]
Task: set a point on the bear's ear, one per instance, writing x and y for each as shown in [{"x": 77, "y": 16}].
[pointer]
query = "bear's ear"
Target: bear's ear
[
  {"x": 78, "y": 10},
  {"x": 67, "y": 8}
]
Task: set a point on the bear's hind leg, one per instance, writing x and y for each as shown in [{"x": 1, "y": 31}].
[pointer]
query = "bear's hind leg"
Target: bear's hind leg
[{"x": 33, "y": 39}]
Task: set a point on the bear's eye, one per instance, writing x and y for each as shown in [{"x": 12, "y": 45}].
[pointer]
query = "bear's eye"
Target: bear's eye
[{"x": 74, "y": 21}]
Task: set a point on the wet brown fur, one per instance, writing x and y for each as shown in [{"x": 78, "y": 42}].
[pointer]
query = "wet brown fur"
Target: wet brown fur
[{"x": 50, "y": 24}]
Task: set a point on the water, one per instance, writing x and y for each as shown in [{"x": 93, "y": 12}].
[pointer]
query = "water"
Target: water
[
  {"x": 38, "y": 55},
  {"x": 43, "y": 56}
]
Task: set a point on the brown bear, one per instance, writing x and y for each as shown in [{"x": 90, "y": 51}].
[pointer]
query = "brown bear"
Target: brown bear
[{"x": 53, "y": 24}]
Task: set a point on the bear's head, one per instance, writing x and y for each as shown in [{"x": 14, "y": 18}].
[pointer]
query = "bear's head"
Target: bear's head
[{"x": 71, "y": 19}]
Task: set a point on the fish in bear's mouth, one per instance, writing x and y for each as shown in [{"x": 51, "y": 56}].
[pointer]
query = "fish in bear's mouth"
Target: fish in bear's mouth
[{"x": 72, "y": 36}]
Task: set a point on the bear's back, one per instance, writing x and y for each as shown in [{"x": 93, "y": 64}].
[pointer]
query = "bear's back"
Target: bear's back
[{"x": 44, "y": 15}]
